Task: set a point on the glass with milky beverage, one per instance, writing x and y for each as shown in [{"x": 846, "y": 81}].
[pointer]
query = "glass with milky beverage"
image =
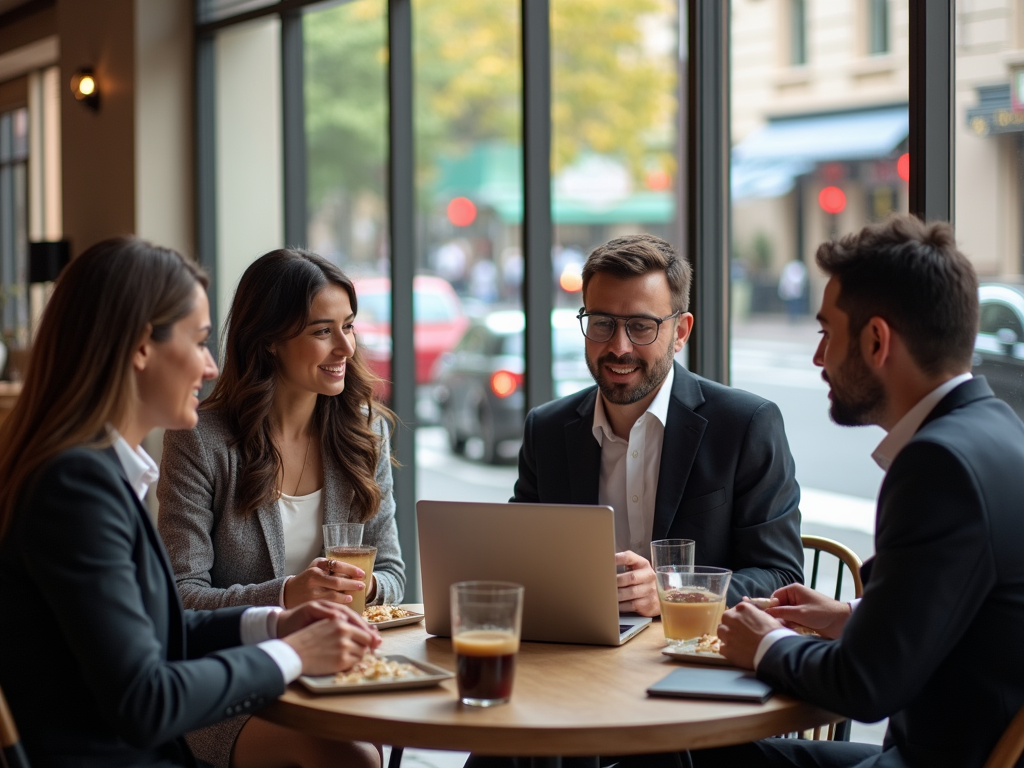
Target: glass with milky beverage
[
  {"x": 344, "y": 542},
  {"x": 692, "y": 600},
  {"x": 486, "y": 619}
]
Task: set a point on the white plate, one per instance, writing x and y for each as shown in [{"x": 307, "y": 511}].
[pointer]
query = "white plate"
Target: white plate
[
  {"x": 416, "y": 617},
  {"x": 433, "y": 676},
  {"x": 688, "y": 654}
]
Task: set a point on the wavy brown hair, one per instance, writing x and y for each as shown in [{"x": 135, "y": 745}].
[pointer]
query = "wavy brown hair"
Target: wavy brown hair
[
  {"x": 79, "y": 377},
  {"x": 272, "y": 304}
]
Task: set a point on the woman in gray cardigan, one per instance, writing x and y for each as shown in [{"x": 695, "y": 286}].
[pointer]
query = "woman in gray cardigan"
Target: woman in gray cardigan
[{"x": 289, "y": 439}]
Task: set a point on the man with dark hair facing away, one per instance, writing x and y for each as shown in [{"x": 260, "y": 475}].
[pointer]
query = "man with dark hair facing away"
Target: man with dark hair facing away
[
  {"x": 934, "y": 644},
  {"x": 675, "y": 455}
]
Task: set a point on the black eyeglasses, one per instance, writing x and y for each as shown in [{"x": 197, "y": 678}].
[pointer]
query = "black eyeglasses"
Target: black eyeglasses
[{"x": 640, "y": 329}]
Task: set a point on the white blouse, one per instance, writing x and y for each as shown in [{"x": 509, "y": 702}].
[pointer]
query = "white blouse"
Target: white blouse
[{"x": 302, "y": 518}]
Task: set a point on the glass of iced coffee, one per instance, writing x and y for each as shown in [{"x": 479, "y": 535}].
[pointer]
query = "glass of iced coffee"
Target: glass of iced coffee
[
  {"x": 486, "y": 618},
  {"x": 692, "y": 600},
  {"x": 344, "y": 542}
]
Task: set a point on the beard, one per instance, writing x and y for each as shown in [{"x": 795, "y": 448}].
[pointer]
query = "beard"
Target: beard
[
  {"x": 858, "y": 397},
  {"x": 651, "y": 376}
]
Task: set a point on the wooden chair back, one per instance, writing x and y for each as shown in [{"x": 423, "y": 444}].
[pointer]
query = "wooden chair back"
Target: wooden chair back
[
  {"x": 10, "y": 743},
  {"x": 1010, "y": 747},
  {"x": 848, "y": 560}
]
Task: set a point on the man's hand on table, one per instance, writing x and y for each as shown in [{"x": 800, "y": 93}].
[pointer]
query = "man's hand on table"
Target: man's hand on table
[
  {"x": 327, "y": 637},
  {"x": 803, "y": 606},
  {"x": 638, "y": 590},
  {"x": 741, "y": 631}
]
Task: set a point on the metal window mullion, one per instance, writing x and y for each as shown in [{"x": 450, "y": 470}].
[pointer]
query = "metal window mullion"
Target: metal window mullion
[
  {"x": 401, "y": 223},
  {"x": 293, "y": 118},
  {"x": 206, "y": 172},
  {"x": 537, "y": 225},
  {"x": 707, "y": 242},
  {"x": 932, "y": 68}
]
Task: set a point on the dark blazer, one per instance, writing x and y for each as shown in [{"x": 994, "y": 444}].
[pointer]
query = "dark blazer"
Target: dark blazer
[
  {"x": 935, "y": 644},
  {"x": 100, "y": 664},
  {"x": 726, "y": 478}
]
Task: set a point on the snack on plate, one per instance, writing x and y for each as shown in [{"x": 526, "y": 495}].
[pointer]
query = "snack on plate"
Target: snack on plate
[
  {"x": 708, "y": 644},
  {"x": 378, "y": 613},
  {"x": 374, "y": 669}
]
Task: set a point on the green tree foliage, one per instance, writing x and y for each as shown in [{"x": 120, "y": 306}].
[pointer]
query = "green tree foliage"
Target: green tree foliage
[{"x": 613, "y": 88}]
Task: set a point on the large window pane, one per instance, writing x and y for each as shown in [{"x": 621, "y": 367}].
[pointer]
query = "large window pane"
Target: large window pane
[
  {"x": 467, "y": 73},
  {"x": 989, "y": 165},
  {"x": 347, "y": 143},
  {"x": 615, "y": 70},
  {"x": 819, "y": 148}
]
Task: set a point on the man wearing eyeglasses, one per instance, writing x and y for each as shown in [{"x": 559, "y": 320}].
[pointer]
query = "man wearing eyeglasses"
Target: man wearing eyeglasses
[{"x": 675, "y": 455}]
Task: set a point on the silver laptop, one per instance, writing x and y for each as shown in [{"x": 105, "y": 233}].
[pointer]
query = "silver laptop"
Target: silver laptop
[{"x": 563, "y": 554}]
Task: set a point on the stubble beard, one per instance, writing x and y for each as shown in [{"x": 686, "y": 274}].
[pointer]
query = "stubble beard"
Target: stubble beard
[
  {"x": 858, "y": 397},
  {"x": 623, "y": 394}
]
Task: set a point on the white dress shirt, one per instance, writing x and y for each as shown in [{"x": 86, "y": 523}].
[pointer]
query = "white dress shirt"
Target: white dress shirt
[
  {"x": 258, "y": 625},
  {"x": 629, "y": 470},
  {"x": 884, "y": 455}
]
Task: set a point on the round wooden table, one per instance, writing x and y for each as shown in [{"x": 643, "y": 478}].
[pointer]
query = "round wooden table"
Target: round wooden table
[{"x": 567, "y": 700}]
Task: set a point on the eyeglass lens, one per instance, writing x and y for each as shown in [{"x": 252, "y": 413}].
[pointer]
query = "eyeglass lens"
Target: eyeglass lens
[{"x": 639, "y": 330}]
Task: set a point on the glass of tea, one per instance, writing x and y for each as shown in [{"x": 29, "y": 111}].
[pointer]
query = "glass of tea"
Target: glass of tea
[
  {"x": 671, "y": 552},
  {"x": 692, "y": 600},
  {"x": 344, "y": 542},
  {"x": 486, "y": 618}
]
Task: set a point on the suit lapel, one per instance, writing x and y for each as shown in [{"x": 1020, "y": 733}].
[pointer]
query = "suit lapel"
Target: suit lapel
[
  {"x": 584, "y": 454},
  {"x": 175, "y": 629},
  {"x": 273, "y": 533},
  {"x": 684, "y": 430}
]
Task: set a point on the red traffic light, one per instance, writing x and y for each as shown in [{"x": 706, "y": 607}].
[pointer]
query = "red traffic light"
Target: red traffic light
[
  {"x": 461, "y": 212},
  {"x": 832, "y": 200}
]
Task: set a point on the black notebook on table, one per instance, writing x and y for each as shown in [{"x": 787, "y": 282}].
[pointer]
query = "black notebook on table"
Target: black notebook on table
[{"x": 706, "y": 683}]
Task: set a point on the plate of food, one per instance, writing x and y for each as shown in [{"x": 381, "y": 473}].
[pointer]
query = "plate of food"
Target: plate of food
[
  {"x": 386, "y": 616},
  {"x": 701, "y": 650},
  {"x": 379, "y": 673}
]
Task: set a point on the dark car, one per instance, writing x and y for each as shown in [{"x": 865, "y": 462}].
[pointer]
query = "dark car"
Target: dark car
[
  {"x": 479, "y": 385},
  {"x": 999, "y": 347}
]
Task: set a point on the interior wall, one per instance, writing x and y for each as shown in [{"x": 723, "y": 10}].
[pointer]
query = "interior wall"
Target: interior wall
[
  {"x": 164, "y": 192},
  {"x": 98, "y": 146}
]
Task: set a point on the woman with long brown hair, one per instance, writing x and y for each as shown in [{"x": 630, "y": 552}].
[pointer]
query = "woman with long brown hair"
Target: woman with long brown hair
[
  {"x": 290, "y": 438},
  {"x": 88, "y": 606}
]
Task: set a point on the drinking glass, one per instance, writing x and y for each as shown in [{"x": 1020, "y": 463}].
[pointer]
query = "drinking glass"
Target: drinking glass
[
  {"x": 672, "y": 552},
  {"x": 486, "y": 618},
  {"x": 344, "y": 542},
  {"x": 692, "y": 600}
]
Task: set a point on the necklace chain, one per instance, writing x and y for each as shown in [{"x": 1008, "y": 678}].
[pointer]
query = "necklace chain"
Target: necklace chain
[{"x": 305, "y": 456}]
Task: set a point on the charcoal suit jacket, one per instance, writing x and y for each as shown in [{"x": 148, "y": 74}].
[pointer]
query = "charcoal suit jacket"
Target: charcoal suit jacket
[
  {"x": 936, "y": 642},
  {"x": 726, "y": 477},
  {"x": 99, "y": 663}
]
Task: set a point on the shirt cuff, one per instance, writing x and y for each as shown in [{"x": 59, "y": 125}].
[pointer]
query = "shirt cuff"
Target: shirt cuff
[
  {"x": 769, "y": 640},
  {"x": 259, "y": 624},
  {"x": 854, "y": 603},
  {"x": 287, "y": 660},
  {"x": 280, "y": 596}
]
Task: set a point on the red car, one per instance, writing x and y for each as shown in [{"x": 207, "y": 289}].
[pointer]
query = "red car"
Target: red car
[{"x": 439, "y": 323}]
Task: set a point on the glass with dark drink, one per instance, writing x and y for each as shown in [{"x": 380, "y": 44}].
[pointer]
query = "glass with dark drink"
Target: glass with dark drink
[{"x": 486, "y": 618}]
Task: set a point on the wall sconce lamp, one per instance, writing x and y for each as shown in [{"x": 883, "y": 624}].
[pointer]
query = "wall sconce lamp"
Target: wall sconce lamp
[{"x": 85, "y": 88}]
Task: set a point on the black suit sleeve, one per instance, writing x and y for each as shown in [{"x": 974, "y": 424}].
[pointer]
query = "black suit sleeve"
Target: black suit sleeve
[
  {"x": 932, "y": 566},
  {"x": 209, "y": 631},
  {"x": 525, "y": 490},
  {"x": 83, "y": 547},
  {"x": 767, "y": 553}
]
